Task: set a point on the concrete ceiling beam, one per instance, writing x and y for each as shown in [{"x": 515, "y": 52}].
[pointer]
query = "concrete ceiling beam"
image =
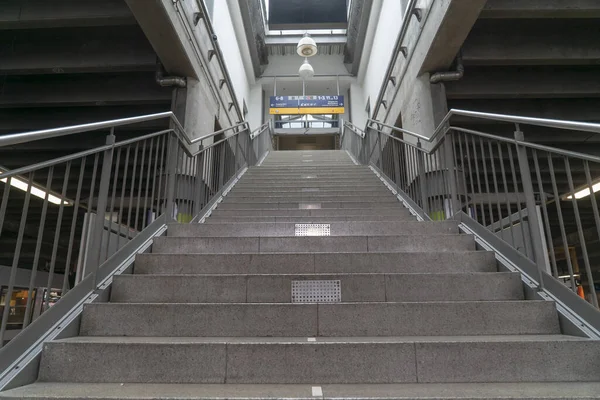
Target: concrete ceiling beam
[
  {"x": 18, "y": 14},
  {"x": 526, "y": 42},
  {"x": 14, "y": 120},
  {"x": 541, "y": 9},
  {"x": 525, "y": 82},
  {"x": 81, "y": 90},
  {"x": 75, "y": 50},
  {"x": 454, "y": 24}
]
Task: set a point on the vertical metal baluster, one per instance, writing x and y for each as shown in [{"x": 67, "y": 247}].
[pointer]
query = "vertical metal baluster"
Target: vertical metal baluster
[
  {"x": 496, "y": 190},
  {"x": 588, "y": 177},
  {"x": 103, "y": 188},
  {"x": 487, "y": 182},
  {"x": 131, "y": 191},
  {"x": 65, "y": 287},
  {"x": 411, "y": 177},
  {"x": 145, "y": 213},
  {"x": 139, "y": 191},
  {"x": 154, "y": 173},
  {"x": 561, "y": 223},
  {"x": 582, "y": 243},
  {"x": 160, "y": 171},
  {"x": 544, "y": 202},
  {"x": 5, "y": 196},
  {"x": 123, "y": 189},
  {"x": 471, "y": 179},
  {"x": 538, "y": 250},
  {"x": 479, "y": 187},
  {"x": 396, "y": 163},
  {"x": 451, "y": 167},
  {"x": 464, "y": 176},
  {"x": 16, "y": 257},
  {"x": 61, "y": 209},
  {"x": 38, "y": 247},
  {"x": 112, "y": 206},
  {"x": 508, "y": 206},
  {"x": 445, "y": 198},
  {"x": 185, "y": 204},
  {"x": 519, "y": 209},
  {"x": 429, "y": 167}
]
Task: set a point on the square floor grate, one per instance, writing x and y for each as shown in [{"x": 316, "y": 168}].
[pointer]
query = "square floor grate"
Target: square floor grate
[
  {"x": 313, "y": 230},
  {"x": 309, "y": 206},
  {"x": 316, "y": 291}
]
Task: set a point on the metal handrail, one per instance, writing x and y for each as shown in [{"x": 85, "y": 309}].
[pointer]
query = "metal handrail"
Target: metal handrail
[
  {"x": 488, "y": 177},
  {"x": 444, "y": 127},
  {"x": 410, "y": 9},
  {"x": 24, "y": 137},
  {"x": 219, "y": 54}
]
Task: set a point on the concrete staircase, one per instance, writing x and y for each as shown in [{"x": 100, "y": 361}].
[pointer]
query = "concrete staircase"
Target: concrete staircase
[{"x": 423, "y": 315}]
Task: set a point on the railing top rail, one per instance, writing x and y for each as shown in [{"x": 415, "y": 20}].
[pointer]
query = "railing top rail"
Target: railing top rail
[
  {"x": 24, "y": 137},
  {"x": 445, "y": 126},
  {"x": 410, "y": 8},
  {"x": 258, "y": 131}
]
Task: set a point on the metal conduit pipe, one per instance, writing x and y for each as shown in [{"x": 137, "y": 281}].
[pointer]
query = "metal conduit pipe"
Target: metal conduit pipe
[
  {"x": 450, "y": 75},
  {"x": 167, "y": 81}
]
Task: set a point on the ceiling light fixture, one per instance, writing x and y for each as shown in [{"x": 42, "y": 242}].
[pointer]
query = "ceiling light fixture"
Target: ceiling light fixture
[
  {"x": 37, "y": 191},
  {"x": 307, "y": 47},
  {"x": 584, "y": 192},
  {"x": 306, "y": 70}
]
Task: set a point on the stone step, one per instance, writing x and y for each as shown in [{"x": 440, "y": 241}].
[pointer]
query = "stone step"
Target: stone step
[
  {"x": 320, "y": 263},
  {"x": 342, "y": 244},
  {"x": 407, "y": 391},
  {"x": 468, "y": 359},
  {"x": 312, "y": 179},
  {"x": 320, "y": 320},
  {"x": 311, "y": 198},
  {"x": 307, "y": 220},
  {"x": 331, "y": 212},
  {"x": 278, "y": 229},
  {"x": 309, "y": 183},
  {"x": 309, "y": 204},
  {"x": 249, "y": 288},
  {"x": 257, "y": 193}
]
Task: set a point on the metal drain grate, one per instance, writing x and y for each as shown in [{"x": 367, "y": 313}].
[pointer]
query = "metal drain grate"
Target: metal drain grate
[
  {"x": 313, "y": 230},
  {"x": 309, "y": 206},
  {"x": 316, "y": 291}
]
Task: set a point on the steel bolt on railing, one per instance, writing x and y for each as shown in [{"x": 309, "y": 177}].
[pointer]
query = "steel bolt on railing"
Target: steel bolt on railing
[
  {"x": 75, "y": 212},
  {"x": 507, "y": 184}
]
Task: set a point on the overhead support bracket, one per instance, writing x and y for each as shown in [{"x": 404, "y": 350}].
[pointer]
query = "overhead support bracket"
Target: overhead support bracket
[
  {"x": 393, "y": 80},
  {"x": 211, "y": 54},
  {"x": 404, "y": 51},
  {"x": 230, "y": 106},
  {"x": 197, "y": 18},
  {"x": 222, "y": 83},
  {"x": 384, "y": 104},
  {"x": 418, "y": 12}
]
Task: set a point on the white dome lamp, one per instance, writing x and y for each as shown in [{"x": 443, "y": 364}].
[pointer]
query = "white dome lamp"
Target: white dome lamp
[
  {"x": 306, "y": 70},
  {"x": 307, "y": 47}
]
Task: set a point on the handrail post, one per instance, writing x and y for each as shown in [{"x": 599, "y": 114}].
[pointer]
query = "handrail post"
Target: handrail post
[
  {"x": 451, "y": 171},
  {"x": 532, "y": 215},
  {"x": 422, "y": 177},
  {"x": 101, "y": 205},
  {"x": 380, "y": 150},
  {"x": 172, "y": 176},
  {"x": 222, "y": 166}
]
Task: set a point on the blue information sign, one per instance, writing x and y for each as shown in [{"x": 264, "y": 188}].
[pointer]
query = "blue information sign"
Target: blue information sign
[{"x": 306, "y": 101}]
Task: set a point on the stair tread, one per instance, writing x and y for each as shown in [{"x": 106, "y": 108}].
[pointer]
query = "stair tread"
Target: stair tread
[
  {"x": 429, "y": 391},
  {"x": 540, "y": 338}
]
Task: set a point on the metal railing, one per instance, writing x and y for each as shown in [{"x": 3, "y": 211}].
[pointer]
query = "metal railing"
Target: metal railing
[
  {"x": 70, "y": 215},
  {"x": 402, "y": 52},
  {"x": 541, "y": 200}
]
